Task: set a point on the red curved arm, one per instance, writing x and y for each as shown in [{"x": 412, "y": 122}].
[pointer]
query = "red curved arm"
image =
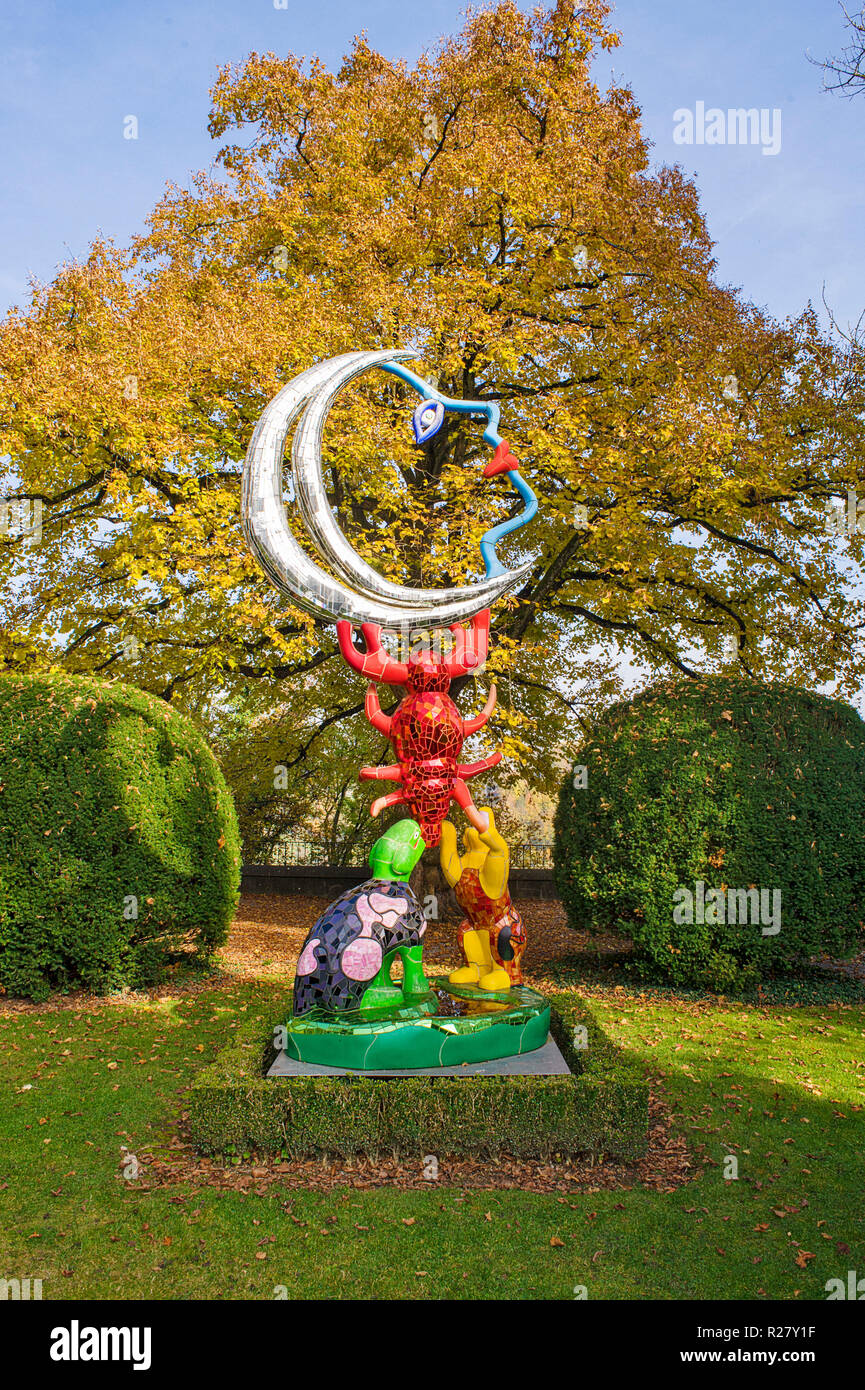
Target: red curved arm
[
  {"x": 471, "y": 726},
  {"x": 463, "y": 797},
  {"x": 374, "y": 712},
  {"x": 465, "y": 770},
  {"x": 392, "y": 799},
  {"x": 391, "y": 773},
  {"x": 374, "y": 662},
  {"x": 470, "y": 651}
]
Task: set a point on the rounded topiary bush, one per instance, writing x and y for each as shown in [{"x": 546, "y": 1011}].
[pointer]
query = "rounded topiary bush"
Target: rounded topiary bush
[
  {"x": 703, "y": 801},
  {"x": 118, "y": 837}
]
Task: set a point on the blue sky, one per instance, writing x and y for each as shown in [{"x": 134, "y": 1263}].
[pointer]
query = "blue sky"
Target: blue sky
[{"x": 786, "y": 225}]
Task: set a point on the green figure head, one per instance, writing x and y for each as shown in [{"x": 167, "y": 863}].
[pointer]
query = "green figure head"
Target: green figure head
[{"x": 397, "y": 852}]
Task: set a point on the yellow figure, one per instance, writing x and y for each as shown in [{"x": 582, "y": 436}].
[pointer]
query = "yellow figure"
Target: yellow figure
[{"x": 491, "y": 935}]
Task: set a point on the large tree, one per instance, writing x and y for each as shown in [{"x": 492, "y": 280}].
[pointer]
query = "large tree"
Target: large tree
[{"x": 493, "y": 209}]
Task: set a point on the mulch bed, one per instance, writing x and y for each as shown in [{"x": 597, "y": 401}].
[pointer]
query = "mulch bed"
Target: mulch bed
[
  {"x": 267, "y": 935},
  {"x": 269, "y": 930}
]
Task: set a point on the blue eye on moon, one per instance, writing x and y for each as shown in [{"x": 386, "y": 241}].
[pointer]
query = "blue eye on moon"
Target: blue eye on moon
[{"x": 427, "y": 420}]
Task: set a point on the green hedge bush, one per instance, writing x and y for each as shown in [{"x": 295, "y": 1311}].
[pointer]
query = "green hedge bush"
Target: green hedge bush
[
  {"x": 111, "y": 805},
  {"x": 603, "y": 1108},
  {"x": 733, "y": 784}
]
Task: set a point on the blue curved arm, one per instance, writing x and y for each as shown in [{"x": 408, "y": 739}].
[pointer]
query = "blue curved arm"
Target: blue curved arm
[
  {"x": 492, "y": 563},
  {"x": 431, "y": 393}
]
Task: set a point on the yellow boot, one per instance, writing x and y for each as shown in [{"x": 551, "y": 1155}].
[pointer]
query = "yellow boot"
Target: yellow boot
[
  {"x": 479, "y": 959},
  {"x": 466, "y": 975},
  {"x": 496, "y": 979}
]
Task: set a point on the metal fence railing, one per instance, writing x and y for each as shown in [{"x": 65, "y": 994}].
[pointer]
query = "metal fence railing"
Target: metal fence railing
[
  {"x": 532, "y": 854},
  {"x": 296, "y": 852}
]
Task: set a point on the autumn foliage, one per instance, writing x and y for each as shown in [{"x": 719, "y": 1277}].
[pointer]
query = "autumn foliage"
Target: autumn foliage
[{"x": 498, "y": 211}]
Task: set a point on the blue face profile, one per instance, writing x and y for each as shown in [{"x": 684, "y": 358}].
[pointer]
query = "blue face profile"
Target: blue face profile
[{"x": 428, "y": 419}]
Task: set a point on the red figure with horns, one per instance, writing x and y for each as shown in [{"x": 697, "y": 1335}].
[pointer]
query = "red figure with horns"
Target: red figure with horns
[{"x": 426, "y": 728}]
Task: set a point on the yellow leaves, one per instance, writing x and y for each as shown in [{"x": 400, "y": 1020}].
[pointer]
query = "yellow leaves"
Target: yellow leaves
[{"x": 456, "y": 206}]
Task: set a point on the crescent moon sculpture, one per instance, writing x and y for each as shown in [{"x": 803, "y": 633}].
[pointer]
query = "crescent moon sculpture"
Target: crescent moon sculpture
[{"x": 356, "y": 592}]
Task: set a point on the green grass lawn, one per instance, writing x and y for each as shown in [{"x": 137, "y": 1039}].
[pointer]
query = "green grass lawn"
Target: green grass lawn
[{"x": 779, "y": 1088}]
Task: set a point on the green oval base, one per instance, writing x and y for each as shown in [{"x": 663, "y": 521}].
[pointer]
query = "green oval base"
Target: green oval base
[{"x": 500, "y": 1024}]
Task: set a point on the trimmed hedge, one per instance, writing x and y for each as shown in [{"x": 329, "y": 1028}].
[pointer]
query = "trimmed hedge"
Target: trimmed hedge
[
  {"x": 118, "y": 838},
  {"x": 602, "y": 1108},
  {"x": 735, "y": 785}
]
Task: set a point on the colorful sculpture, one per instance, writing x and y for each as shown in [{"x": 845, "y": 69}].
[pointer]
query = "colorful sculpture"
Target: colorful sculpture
[
  {"x": 491, "y": 935},
  {"x": 347, "y": 1010},
  {"x": 347, "y": 956},
  {"x": 426, "y": 729}
]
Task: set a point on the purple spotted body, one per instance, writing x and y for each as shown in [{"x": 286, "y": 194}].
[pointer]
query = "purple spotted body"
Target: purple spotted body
[{"x": 345, "y": 949}]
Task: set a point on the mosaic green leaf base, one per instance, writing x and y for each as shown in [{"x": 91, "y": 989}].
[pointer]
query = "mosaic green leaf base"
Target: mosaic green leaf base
[{"x": 425, "y": 1032}]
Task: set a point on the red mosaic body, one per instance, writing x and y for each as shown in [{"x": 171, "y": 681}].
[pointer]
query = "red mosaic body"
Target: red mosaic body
[
  {"x": 426, "y": 728},
  {"x": 427, "y": 734}
]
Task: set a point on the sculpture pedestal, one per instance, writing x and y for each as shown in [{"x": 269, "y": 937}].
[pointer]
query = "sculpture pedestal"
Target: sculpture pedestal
[
  {"x": 449, "y": 1026},
  {"x": 546, "y": 1061}
]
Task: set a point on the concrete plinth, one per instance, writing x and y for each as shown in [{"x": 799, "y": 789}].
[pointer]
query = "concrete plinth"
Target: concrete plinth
[{"x": 544, "y": 1061}]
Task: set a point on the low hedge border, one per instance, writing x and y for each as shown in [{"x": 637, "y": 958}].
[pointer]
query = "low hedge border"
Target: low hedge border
[{"x": 603, "y": 1108}]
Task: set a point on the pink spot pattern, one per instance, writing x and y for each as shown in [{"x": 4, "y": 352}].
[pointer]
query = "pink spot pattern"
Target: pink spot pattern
[
  {"x": 367, "y": 914},
  {"x": 361, "y": 960},
  {"x": 307, "y": 962},
  {"x": 389, "y": 910}
]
